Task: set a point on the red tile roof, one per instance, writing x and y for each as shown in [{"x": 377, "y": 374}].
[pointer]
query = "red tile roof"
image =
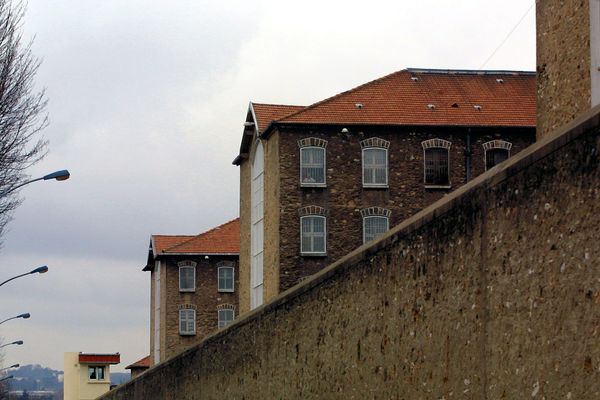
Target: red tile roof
[
  {"x": 224, "y": 239},
  {"x": 162, "y": 242},
  {"x": 267, "y": 113},
  {"x": 143, "y": 363},
  {"x": 505, "y": 98}
]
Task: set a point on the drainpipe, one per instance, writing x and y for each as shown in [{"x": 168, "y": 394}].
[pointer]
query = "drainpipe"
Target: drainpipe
[{"x": 468, "y": 155}]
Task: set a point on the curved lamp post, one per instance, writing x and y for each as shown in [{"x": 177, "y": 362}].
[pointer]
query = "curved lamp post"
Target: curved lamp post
[
  {"x": 17, "y": 342},
  {"x": 6, "y": 378},
  {"x": 11, "y": 367},
  {"x": 24, "y": 316},
  {"x": 61, "y": 175},
  {"x": 38, "y": 270}
]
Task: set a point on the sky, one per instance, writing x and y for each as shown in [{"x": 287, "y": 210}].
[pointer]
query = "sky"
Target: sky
[{"x": 146, "y": 105}]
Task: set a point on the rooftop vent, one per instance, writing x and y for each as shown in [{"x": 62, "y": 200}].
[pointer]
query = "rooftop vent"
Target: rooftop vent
[
  {"x": 414, "y": 78},
  {"x": 477, "y": 107},
  {"x": 247, "y": 124},
  {"x": 431, "y": 106},
  {"x": 454, "y": 105},
  {"x": 500, "y": 80},
  {"x": 359, "y": 105}
]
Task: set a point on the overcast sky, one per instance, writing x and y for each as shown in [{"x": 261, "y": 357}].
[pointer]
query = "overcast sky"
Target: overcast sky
[{"x": 147, "y": 100}]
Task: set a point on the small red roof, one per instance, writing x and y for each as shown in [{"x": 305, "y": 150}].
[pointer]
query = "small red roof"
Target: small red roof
[
  {"x": 99, "y": 358},
  {"x": 267, "y": 113},
  {"x": 143, "y": 363},
  {"x": 431, "y": 97},
  {"x": 224, "y": 239},
  {"x": 162, "y": 242}
]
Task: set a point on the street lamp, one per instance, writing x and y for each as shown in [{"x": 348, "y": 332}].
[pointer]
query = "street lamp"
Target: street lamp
[
  {"x": 11, "y": 367},
  {"x": 61, "y": 175},
  {"x": 24, "y": 316},
  {"x": 17, "y": 342},
  {"x": 38, "y": 270}
]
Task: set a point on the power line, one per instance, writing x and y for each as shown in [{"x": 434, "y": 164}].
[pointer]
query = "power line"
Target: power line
[{"x": 508, "y": 36}]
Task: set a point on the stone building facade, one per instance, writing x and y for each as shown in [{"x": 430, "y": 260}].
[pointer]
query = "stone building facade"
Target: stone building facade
[
  {"x": 194, "y": 287},
  {"x": 568, "y": 60},
  {"x": 319, "y": 181}
]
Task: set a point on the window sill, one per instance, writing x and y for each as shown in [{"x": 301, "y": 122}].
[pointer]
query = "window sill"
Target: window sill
[
  {"x": 313, "y": 185},
  {"x": 97, "y": 381},
  {"x": 438, "y": 186},
  {"x": 226, "y": 291},
  {"x": 375, "y": 186},
  {"x": 313, "y": 254},
  {"x": 187, "y": 290},
  {"x": 187, "y": 334}
]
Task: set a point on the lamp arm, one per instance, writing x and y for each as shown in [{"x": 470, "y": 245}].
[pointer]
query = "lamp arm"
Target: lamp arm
[{"x": 13, "y": 278}]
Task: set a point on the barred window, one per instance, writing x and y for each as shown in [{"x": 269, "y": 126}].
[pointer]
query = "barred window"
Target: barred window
[
  {"x": 375, "y": 167},
  {"x": 187, "y": 276},
  {"x": 494, "y": 157},
  {"x": 312, "y": 235},
  {"x": 187, "y": 321},
  {"x": 312, "y": 166},
  {"x": 436, "y": 166},
  {"x": 374, "y": 226},
  {"x": 225, "y": 316}
]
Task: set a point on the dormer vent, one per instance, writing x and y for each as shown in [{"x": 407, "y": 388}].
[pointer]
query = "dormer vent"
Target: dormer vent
[
  {"x": 454, "y": 105},
  {"x": 431, "y": 106},
  {"x": 477, "y": 107},
  {"x": 500, "y": 80},
  {"x": 414, "y": 78},
  {"x": 359, "y": 106}
]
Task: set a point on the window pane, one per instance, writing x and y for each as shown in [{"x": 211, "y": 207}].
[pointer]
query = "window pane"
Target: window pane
[
  {"x": 92, "y": 372},
  {"x": 226, "y": 278},
  {"x": 312, "y": 165},
  {"x": 225, "y": 317},
  {"x": 375, "y": 166},
  {"x": 494, "y": 157},
  {"x": 313, "y": 234},
  {"x": 186, "y": 278},
  {"x": 436, "y": 166},
  {"x": 100, "y": 373},
  {"x": 374, "y": 227}
]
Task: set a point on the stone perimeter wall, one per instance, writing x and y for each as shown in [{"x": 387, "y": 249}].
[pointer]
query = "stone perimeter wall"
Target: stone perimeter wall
[{"x": 491, "y": 293}]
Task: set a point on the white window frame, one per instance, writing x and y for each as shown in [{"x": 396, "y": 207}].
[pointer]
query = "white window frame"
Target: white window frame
[
  {"x": 371, "y": 218},
  {"x": 375, "y": 185},
  {"x": 187, "y": 266},
  {"x": 184, "y": 314},
  {"x": 224, "y": 290},
  {"x": 314, "y": 184},
  {"x": 221, "y": 323},
  {"x": 97, "y": 368},
  {"x": 314, "y": 253}
]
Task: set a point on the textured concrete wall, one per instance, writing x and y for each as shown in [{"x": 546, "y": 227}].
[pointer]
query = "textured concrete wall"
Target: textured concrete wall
[
  {"x": 563, "y": 62},
  {"x": 491, "y": 293}
]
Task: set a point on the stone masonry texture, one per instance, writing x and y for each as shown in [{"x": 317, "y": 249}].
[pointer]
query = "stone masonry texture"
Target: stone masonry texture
[
  {"x": 563, "y": 62},
  {"x": 491, "y": 293}
]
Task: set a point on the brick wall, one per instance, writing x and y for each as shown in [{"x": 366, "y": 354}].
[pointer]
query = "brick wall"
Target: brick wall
[
  {"x": 344, "y": 196},
  {"x": 493, "y": 292},
  {"x": 563, "y": 62},
  {"x": 204, "y": 300}
]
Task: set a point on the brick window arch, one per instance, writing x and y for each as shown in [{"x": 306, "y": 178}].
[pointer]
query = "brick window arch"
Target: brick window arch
[
  {"x": 375, "y": 162},
  {"x": 376, "y": 221},
  {"x": 313, "y": 231},
  {"x": 495, "y": 152},
  {"x": 225, "y": 314},
  {"x": 312, "y": 162},
  {"x": 436, "y": 162}
]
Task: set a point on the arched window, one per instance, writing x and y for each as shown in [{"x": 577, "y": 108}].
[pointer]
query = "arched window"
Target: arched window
[
  {"x": 436, "y": 162},
  {"x": 496, "y": 151},
  {"x": 226, "y": 314},
  {"x": 313, "y": 231},
  {"x": 257, "y": 227},
  {"x": 375, "y": 162},
  {"x": 376, "y": 222},
  {"x": 187, "y": 319},
  {"x": 226, "y": 276},
  {"x": 312, "y": 162},
  {"x": 187, "y": 276}
]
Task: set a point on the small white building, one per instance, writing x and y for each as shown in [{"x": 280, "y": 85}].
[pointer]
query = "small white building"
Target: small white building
[{"x": 87, "y": 375}]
